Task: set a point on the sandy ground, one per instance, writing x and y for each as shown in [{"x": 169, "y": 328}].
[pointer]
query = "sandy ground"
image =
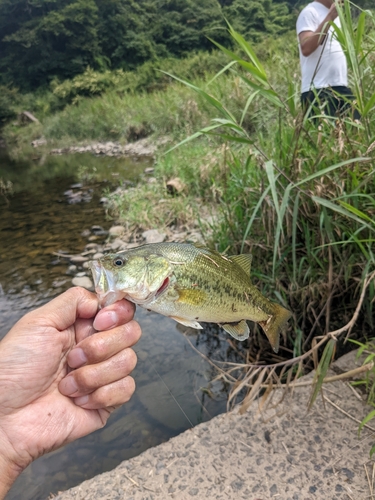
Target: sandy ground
[{"x": 284, "y": 453}]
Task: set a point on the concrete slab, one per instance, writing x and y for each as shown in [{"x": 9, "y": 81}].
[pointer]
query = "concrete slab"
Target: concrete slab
[{"x": 284, "y": 453}]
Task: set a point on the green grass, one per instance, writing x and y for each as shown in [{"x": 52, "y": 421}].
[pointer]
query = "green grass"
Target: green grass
[{"x": 301, "y": 197}]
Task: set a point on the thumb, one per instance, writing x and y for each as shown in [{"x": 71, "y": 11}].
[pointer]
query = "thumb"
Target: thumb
[{"x": 62, "y": 311}]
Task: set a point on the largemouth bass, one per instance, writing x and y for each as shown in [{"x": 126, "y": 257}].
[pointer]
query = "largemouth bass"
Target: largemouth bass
[{"x": 189, "y": 283}]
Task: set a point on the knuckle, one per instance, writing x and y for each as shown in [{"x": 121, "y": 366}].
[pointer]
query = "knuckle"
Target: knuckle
[
  {"x": 102, "y": 397},
  {"x": 113, "y": 394},
  {"x": 78, "y": 291},
  {"x": 86, "y": 379},
  {"x": 98, "y": 347},
  {"x": 81, "y": 295}
]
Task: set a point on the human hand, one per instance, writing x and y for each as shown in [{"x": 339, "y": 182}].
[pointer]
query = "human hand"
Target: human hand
[
  {"x": 333, "y": 13},
  {"x": 60, "y": 382}
]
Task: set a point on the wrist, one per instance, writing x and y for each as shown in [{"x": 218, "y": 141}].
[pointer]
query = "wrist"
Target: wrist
[
  {"x": 332, "y": 14},
  {"x": 8, "y": 474},
  {"x": 9, "y": 469}
]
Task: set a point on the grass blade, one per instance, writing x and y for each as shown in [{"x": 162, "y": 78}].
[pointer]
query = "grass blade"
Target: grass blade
[{"x": 322, "y": 369}]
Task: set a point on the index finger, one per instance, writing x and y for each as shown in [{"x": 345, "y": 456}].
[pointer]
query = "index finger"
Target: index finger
[
  {"x": 116, "y": 314},
  {"x": 109, "y": 317}
]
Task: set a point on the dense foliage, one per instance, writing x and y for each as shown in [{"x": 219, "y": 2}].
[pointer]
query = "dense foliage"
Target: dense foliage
[{"x": 48, "y": 39}]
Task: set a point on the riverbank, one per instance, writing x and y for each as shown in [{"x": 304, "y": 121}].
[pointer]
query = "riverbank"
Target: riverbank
[
  {"x": 118, "y": 239},
  {"x": 143, "y": 147},
  {"x": 283, "y": 453}
]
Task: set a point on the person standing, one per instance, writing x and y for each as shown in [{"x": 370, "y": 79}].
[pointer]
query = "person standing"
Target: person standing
[{"x": 323, "y": 62}]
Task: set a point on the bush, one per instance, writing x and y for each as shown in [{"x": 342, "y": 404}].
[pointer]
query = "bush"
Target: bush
[
  {"x": 8, "y": 98},
  {"x": 88, "y": 84}
]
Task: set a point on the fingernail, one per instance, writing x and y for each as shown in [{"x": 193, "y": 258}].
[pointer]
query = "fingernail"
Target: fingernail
[
  {"x": 82, "y": 400},
  {"x": 68, "y": 386},
  {"x": 105, "y": 320},
  {"x": 77, "y": 358}
]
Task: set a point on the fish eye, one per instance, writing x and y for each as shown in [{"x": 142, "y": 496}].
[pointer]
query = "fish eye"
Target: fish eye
[{"x": 118, "y": 262}]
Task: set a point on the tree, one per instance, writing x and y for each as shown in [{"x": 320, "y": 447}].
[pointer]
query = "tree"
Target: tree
[
  {"x": 45, "y": 39},
  {"x": 255, "y": 19},
  {"x": 125, "y": 32}
]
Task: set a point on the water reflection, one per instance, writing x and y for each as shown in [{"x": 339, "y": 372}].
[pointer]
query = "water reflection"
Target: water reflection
[{"x": 35, "y": 224}]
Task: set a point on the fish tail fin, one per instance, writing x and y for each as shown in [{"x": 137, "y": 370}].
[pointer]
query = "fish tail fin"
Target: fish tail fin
[{"x": 274, "y": 324}]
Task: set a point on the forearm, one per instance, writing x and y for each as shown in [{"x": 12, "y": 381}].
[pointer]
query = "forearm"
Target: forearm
[{"x": 314, "y": 39}]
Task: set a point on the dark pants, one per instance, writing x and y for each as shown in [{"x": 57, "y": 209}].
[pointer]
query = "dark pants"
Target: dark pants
[{"x": 332, "y": 101}]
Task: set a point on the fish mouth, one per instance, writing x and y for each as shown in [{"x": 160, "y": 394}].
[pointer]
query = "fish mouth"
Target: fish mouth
[
  {"x": 105, "y": 284},
  {"x": 163, "y": 288},
  {"x": 106, "y": 287}
]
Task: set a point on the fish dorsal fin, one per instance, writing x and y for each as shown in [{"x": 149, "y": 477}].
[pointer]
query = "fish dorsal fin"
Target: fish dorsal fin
[
  {"x": 239, "y": 331},
  {"x": 244, "y": 261},
  {"x": 199, "y": 245},
  {"x": 206, "y": 250}
]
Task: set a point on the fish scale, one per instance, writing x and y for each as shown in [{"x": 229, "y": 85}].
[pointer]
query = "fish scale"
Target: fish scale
[{"x": 189, "y": 283}]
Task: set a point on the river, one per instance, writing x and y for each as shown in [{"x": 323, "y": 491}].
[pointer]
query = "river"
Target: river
[{"x": 174, "y": 388}]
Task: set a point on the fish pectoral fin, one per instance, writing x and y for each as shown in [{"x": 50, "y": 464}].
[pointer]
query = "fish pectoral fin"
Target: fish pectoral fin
[
  {"x": 239, "y": 331},
  {"x": 188, "y": 322}
]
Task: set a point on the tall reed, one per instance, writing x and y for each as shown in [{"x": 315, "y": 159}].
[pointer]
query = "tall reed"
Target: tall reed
[{"x": 301, "y": 197}]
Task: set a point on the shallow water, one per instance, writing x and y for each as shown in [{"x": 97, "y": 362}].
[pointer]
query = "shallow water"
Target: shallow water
[{"x": 36, "y": 223}]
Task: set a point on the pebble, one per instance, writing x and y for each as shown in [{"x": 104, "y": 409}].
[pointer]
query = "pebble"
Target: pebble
[
  {"x": 175, "y": 186},
  {"x": 193, "y": 492},
  {"x": 98, "y": 255},
  {"x": 118, "y": 244},
  {"x": 153, "y": 236},
  {"x": 78, "y": 259},
  {"x": 71, "y": 270},
  {"x": 58, "y": 283},
  {"x": 92, "y": 246},
  {"x": 99, "y": 231},
  {"x": 116, "y": 230},
  {"x": 83, "y": 281},
  {"x": 39, "y": 142}
]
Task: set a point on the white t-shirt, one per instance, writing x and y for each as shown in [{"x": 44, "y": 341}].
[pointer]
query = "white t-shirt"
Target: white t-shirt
[{"x": 329, "y": 69}]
